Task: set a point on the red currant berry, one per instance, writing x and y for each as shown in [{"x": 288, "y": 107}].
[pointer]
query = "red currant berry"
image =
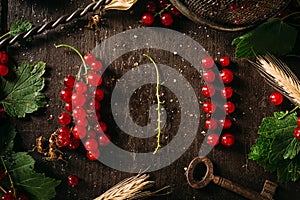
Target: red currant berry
[
  {"x": 93, "y": 155},
  {"x": 79, "y": 113},
  {"x": 298, "y": 121},
  {"x": 3, "y": 57},
  {"x": 226, "y": 76},
  {"x": 209, "y": 107},
  {"x": 224, "y": 61},
  {"x": 80, "y": 87},
  {"x": 233, "y": 7},
  {"x": 226, "y": 123},
  {"x": 212, "y": 139},
  {"x": 2, "y": 175},
  {"x": 211, "y": 124},
  {"x": 90, "y": 144},
  {"x": 68, "y": 107},
  {"x": 81, "y": 122},
  {"x": 89, "y": 58},
  {"x": 79, "y": 132},
  {"x": 94, "y": 105},
  {"x": 209, "y": 76},
  {"x": 94, "y": 79},
  {"x": 64, "y": 131},
  {"x": 297, "y": 133},
  {"x": 276, "y": 98},
  {"x": 207, "y": 62},
  {"x": 228, "y": 140},
  {"x": 147, "y": 19},
  {"x": 104, "y": 140},
  {"x": 98, "y": 129},
  {"x": 174, "y": 11},
  {"x": 7, "y": 196},
  {"x": 69, "y": 81},
  {"x": 103, "y": 126},
  {"x": 208, "y": 91},
  {"x": 92, "y": 134},
  {"x": 64, "y": 118},
  {"x": 163, "y": 3},
  {"x": 99, "y": 94},
  {"x": 73, "y": 180},
  {"x": 66, "y": 94},
  {"x": 227, "y": 92},
  {"x": 96, "y": 66},
  {"x": 2, "y": 113},
  {"x": 229, "y": 107},
  {"x": 151, "y": 6},
  {"x": 22, "y": 197},
  {"x": 78, "y": 99},
  {"x": 63, "y": 140},
  {"x": 3, "y": 70},
  {"x": 74, "y": 144},
  {"x": 166, "y": 19}
]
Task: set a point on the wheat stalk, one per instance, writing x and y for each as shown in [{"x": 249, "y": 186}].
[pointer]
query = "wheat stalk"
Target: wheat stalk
[
  {"x": 279, "y": 76},
  {"x": 131, "y": 188}
]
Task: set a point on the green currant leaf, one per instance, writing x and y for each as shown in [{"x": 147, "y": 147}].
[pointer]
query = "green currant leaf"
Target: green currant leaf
[
  {"x": 276, "y": 149},
  {"x": 7, "y": 135},
  {"x": 274, "y": 36},
  {"x": 23, "y": 95},
  {"x": 37, "y": 185}
]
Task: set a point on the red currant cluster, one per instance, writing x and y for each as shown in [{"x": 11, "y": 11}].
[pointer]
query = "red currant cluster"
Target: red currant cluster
[
  {"x": 209, "y": 107},
  {"x": 11, "y": 194},
  {"x": 162, "y": 8},
  {"x": 3, "y": 63},
  {"x": 81, "y": 120},
  {"x": 73, "y": 180}
]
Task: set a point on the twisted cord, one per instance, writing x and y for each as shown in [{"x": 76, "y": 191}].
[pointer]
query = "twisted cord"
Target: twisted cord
[{"x": 53, "y": 24}]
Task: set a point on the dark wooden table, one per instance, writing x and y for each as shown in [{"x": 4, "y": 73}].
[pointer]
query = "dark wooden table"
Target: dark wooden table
[{"x": 251, "y": 99}]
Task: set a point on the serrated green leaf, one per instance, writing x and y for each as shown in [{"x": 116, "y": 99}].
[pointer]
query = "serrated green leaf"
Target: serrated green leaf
[
  {"x": 274, "y": 36},
  {"x": 292, "y": 149},
  {"x": 7, "y": 135},
  {"x": 39, "y": 187},
  {"x": 23, "y": 95},
  {"x": 19, "y": 26},
  {"x": 288, "y": 171}
]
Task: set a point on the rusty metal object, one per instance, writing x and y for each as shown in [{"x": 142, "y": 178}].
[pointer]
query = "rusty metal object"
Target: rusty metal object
[{"x": 267, "y": 193}]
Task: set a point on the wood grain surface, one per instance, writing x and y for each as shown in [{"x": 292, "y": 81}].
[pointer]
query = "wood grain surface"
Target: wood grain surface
[{"x": 251, "y": 99}]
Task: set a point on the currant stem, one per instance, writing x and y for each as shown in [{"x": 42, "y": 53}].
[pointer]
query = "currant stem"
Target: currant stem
[
  {"x": 163, "y": 10},
  {"x": 288, "y": 112},
  {"x": 3, "y": 190},
  {"x": 9, "y": 177},
  {"x": 4, "y": 35},
  {"x": 159, "y": 132},
  {"x": 79, "y": 54},
  {"x": 290, "y": 15},
  {"x": 3, "y": 102}
]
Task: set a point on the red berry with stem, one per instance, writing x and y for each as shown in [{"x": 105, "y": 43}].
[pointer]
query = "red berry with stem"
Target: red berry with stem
[
  {"x": 212, "y": 139},
  {"x": 2, "y": 175},
  {"x": 73, "y": 180},
  {"x": 22, "y": 197},
  {"x": 3, "y": 57},
  {"x": 74, "y": 144},
  {"x": 174, "y": 11},
  {"x": 208, "y": 91},
  {"x": 90, "y": 144},
  {"x": 229, "y": 107},
  {"x": 79, "y": 132},
  {"x": 227, "y": 92},
  {"x": 224, "y": 61},
  {"x": 298, "y": 121},
  {"x": 148, "y": 19},
  {"x": 68, "y": 107},
  {"x": 209, "y": 76},
  {"x": 89, "y": 58},
  {"x": 94, "y": 105},
  {"x": 96, "y": 66},
  {"x": 227, "y": 140},
  {"x": 297, "y": 133},
  {"x": 94, "y": 79},
  {"x": 93, "y": 155},
  {"x": 233, "y": 7},
  {"x": 78, "y": 99},
  {"x": 276, "y": 98},
  {"x": 64, "y": 131},
  {"x": 151, "y": 6},
  {"x": 211, "y": 124},
  {"x": 92, "y": 134},
  {"x": 69, "y": 81},
  {"x": 103, "y": 126},
  {"x": 2, "y": 113},
  {"x": 63, "y": 140},
  {"x": 81, "y": 122},
  {"x": 225, "y": 123},
  {"x": 104, "y": 140},
  {"x": 64, "y": 118},
  {"x": 209, "y": 107},
  {"x": 226, "y": 76},
  {"x": 207, "y": 62},
  {"x": 99, "y": 94},
  {"x": 66, "y": 94},
  {"x": 79, "y": 113},
  {"x": 166, "y": 19},
  {"x": 7, "y": 196},
  {"x": 163, "y": 3},
  {"x": 3, "y": 70},
  {"x": 80, "y": 87}
]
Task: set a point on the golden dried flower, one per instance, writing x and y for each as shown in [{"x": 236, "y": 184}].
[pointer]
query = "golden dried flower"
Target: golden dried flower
[{"x": 120, "y": 4}]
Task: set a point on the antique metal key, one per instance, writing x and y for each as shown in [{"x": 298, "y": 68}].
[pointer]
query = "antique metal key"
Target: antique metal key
[{"x": 267, "y": 192}]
